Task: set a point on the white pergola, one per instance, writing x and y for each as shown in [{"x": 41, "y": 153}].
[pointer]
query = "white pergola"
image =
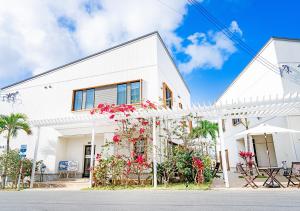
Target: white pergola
[{"x": 271, "y": 106}]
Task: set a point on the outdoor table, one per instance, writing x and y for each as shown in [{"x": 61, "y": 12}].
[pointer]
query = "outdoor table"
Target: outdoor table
[{"x": 271, "y": 181}]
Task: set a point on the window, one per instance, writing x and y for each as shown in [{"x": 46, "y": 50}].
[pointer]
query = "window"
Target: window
[
  {"x": 84, "y": 99},
  {"x": 122, "y": 94},
  {"x": 168, "y": 96},
  {"x": 90, "y": 97},
  {"x": 180, "y": 105},
  {"x": 135, "y": 92},
  {"x": 223, "y": 125},
  {"x": 236, "y": 121},
  {"x": 140, "y": 147},
  {"x": 78, "y": 100}
]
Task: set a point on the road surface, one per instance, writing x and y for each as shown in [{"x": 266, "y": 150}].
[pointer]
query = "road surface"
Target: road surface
[{"x": 151, "y": 200}]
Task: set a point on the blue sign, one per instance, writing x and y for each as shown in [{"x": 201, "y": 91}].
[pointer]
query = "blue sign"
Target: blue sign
[{"x": 23, "y": 150}]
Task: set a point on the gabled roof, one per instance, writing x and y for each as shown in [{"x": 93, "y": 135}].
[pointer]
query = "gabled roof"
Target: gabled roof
[
  {"x": 101, "y": 52},
  {"x": 254, "y": 58}
]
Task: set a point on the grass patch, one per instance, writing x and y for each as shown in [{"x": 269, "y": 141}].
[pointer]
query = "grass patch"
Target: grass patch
[{"x": 176, "y": 186}]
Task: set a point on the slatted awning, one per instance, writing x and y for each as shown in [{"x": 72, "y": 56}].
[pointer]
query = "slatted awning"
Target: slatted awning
[{"x": 271, "y": 106}]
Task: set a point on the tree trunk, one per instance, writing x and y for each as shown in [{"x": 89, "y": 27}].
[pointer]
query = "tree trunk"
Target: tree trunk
[{"x": 5, "y": 164}]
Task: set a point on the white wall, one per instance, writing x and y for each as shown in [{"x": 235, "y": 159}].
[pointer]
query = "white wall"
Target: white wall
[
  {"x": 169, "y": 74},
  {"x": 142, "y": 59},
  {"x": 258, "y": 81}
]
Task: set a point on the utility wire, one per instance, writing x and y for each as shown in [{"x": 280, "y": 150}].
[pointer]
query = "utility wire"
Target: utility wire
[{"x": 228, "y": 33}]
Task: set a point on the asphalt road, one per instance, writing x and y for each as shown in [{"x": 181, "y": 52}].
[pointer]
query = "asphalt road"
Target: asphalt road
[{"x": 150, "y": 200}]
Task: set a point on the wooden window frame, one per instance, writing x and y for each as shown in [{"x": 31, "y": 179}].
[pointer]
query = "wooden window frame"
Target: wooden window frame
[
  {"x": 165, "y": 87},
  {"x": 105, "y": 85}
]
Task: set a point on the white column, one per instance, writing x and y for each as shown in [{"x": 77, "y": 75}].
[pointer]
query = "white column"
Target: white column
[
  {"x": 222, "y": 145},
  {"x": 154, "y": 153},
  {"x": 35, "y": 156},
  {"x": 245, "y": 142},
  {"x": 92, "y": 155}
]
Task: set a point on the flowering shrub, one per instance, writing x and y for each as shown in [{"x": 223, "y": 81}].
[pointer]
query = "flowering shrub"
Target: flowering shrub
[
  {"x": 247, "y": 157},
  {"x": 129, "y": 131},
  {"x": 199, "y": 167}
]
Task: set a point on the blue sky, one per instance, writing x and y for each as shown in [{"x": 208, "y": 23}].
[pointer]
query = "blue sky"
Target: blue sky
[{"x": 39, "y": 36}]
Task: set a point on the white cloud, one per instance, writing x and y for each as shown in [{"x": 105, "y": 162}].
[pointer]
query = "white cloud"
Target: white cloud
[
  {"x": 38, "y": 35},
  {"x": 209, "y": 50},
  {"x": 32, "y": 39}
]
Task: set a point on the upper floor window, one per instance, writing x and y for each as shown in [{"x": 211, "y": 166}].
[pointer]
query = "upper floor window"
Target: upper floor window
[
  {"x": 84, "y": 99},
  {"x": 135, "y": 92},
  {"x": 168, "y": 96},
  {"x": 236, "y": 121},
  {"x": 122, "y": 94}
]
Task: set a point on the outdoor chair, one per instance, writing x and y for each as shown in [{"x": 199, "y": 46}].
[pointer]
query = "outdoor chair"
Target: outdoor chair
[
  {"x": 247, "y": 177},
  {"x": 216, "y": 170},
  {"x": 293, "y": 175}
]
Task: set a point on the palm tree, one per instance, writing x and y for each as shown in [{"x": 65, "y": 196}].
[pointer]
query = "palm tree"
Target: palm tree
[
  {"x": 204, "y": 129},
  {"x": 10, "y": 125}
]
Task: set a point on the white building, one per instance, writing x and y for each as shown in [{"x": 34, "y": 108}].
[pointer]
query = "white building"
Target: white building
[
  {"x": 140, "y": 69},
  {"x": 258, "y": 80}
]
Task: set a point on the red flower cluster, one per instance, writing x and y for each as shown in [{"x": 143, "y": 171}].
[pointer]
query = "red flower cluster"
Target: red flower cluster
[
  {"x": 116, "y": 139},
  {"x": 149, "y": 105},
  {"x": 244, "y": 154},
  {"x": 112, "y": 109},
  {"x": 198, "y": 164}
]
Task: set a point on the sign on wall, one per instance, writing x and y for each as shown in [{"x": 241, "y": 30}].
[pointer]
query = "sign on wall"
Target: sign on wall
[
  {"x": 66, "y": 165},
  {"x": 23, "y": 150}
]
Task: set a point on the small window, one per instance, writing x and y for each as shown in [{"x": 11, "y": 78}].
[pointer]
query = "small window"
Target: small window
[
  {"x": 180, "y": 105},
  {"x": 140, "y": 147},
  {"x": 90, "y": 97},
  {"x": 236, "y": 121},
  {"x": 223, "y": 125},
  {"x": 135, "y": 92},
  {"x": 78, "y": 100},
  {"x": 168, "y": 97},
  {"x": 122, "y": 94}
]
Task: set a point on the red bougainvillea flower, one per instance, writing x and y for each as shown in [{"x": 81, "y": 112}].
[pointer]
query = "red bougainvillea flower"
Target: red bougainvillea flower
[
  {"x": 139, "y": 159},
  {"x": 128, "y": 163},
  {"x": 112, "y": 116},
  {"x": 144, "y": 123},
  {"x": 157, "y": 123},
  {"x": 198, "y": 164},
  {"x": 116, "y": 138},
  {"x": 242, "y": 154},
  {"x": 142, "y": 130},
  {"x": 249, "y": 154}
]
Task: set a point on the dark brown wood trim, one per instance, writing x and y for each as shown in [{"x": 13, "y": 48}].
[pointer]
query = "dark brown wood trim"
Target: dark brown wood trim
[{"x": 165, "y": 86}]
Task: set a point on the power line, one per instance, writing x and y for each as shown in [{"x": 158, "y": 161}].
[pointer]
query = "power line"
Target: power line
[{"x": 228, "y": 33}]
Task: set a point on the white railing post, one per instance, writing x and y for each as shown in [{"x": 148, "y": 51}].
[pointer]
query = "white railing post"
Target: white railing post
[
  {"x": 154, "y": 153},
  {"x": 92, "y": 155},
  {"x": 222, "y": 145},
  {"x": 35, "y": 156}
]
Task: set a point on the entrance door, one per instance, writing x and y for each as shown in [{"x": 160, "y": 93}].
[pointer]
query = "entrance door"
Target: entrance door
[
  {"x": 260, "y": 150},
  {"x": 87, "y": 160}
]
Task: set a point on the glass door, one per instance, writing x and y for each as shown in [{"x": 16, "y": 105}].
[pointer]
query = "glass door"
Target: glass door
[{"x": 87, "y": 160}]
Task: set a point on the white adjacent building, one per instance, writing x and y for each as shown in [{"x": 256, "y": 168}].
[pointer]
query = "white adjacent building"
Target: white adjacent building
[
  {"x": 258, "y": 80},
  {"x": 140, "y": 69}
]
